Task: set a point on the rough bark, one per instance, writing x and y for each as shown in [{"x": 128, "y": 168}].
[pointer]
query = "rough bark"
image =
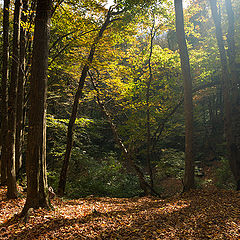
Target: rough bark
[
  {"x": 37, "y": 189},
  {"x": 20, "y": 91},
  {"x": 5, "y": 58},
  {"x": 188, "y": 106},
  {"x": 11, "y": 174},
  {"x": 63, "y": 174}
]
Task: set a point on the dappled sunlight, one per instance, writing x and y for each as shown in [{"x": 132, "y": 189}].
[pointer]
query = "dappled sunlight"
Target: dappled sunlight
[{"x": 196, "y": 215}]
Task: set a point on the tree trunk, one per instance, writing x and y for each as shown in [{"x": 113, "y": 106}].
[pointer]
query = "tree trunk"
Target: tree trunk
[
  {"x": 20, "y": 91},
  {"x": 37, "y": 190},
  {"x": 188, "y": 107},
  {"x": 148, "y": 104},
  {"x": 129, "y": 164},
  {"x": 63, "y": 174},
  {"x": 4, "y": 107},
  {"x": 12, "y": 101},
  {"x": 232, "y": 148},
  {"x": 235, "y": 98}
]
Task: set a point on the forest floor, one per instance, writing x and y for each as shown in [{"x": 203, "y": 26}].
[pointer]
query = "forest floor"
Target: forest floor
[{"x": 200, "y": 214}]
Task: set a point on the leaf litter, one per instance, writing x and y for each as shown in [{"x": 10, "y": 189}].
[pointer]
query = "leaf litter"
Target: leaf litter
[{"x": 199, "y": 214}]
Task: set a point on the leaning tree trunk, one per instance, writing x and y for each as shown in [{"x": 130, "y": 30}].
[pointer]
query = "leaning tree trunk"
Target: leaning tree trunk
[
  {"x": 11, "y": 174},
  {"x": 20, "y": 91},
  {"x": 235, "y": 100},
  {"x": 232, "y": 148},
  {"x": 63, "y": 174},
  {"x": 188, "y": 107},
  {"x": 129, "y": 164},
  {"x": 4, "y": 107},
  {"x": 37, "y": 190}
]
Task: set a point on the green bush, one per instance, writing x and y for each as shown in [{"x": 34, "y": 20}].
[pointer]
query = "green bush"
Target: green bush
[
  {"x": 94, "y": 166},
  {"x": 224, "y": 177},
  {"x": 171, "y": 164},
  {"x": 101, "y": 178}
]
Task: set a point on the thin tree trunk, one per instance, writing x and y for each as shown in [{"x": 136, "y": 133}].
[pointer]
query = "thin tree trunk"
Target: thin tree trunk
[
  {"x": 4, "y": 107},
  {"x": 37, "y": 189},
  {"x": 148, "y": 104},
  {"x": 11, "y": 174},
  {"x": 63, "y": 174},
  {"x": 20, "y": 91},
  {"x": 188, "y": 106}
]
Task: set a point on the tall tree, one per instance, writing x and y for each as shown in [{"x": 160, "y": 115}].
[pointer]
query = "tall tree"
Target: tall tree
[
  {"x": 230, "y": 90},
  {"x": 148, "y": 94},
  {"x": 188, "y": 106},
  {"x": 235, "y": 144},
  {"x": 20, "y": 90},
  {"x": 12, "y": 101},
  {"x": 37, "y": 189},
  {"x": 5, "y": 59},
  {"x": 63, "y": 174},
  {"x": 129, "y": 162}
]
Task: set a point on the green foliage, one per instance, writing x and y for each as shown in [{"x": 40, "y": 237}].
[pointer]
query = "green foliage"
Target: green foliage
[
  {"x": 224, "y": 175},
  {"x": 100, "y": 178},
  {"x": 171, "y": 164},
  {"x": 121, "y": 72},
  {"x": 94, "y": 166}
]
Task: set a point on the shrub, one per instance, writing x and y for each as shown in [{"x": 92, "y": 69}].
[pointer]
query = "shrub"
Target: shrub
[
  {"x": 171, "y": 164},
  {"x": 224, "y": 177}
]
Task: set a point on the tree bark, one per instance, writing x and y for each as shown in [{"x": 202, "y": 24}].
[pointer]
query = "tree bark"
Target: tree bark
[
  {"x": 4, "y": 107},
  {"x": 20, "y": 91},
  {"x": 63, "y": 174},
  {"x": 188, "y": 106},
  {"x": 235, "y": 97},
  {"x": 11, "y": 174},
  {"x": 37, "y": 189}
]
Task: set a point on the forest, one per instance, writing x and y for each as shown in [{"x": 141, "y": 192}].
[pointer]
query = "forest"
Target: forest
[{"x": 120, "y": 119}]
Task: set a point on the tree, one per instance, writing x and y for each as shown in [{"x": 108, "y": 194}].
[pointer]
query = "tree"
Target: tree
[
  {"x": 5, "y": 58},
  {"x": 37, "y": 189},
  {"x": 129, "y": 163},
  {"x": 12, "y": 102},
  {"x": 148, "y": 85},
  {"x": 188, "y": 107},
  {"x": 235, "y": 144},
  {"x": 63, "y": 174},
  {"x": 230, "y": 90},
  {"x": 20, "y": 90}
]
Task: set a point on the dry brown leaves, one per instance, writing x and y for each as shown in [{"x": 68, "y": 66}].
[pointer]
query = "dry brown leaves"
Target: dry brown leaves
[{"x": 207, "y": 214}]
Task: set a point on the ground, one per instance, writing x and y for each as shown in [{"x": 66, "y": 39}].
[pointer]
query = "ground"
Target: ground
[{"x": 200, "y": 214}]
